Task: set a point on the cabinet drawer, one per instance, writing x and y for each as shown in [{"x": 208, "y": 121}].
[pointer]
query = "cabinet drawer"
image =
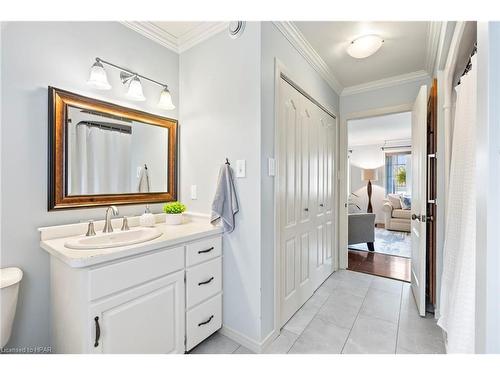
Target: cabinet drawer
[
  {"x": 203, "y": 320},
  {"x": 201, "y": 251},
  {"x": 203, "y": 281},
  {"x": 128, "y": 273}
]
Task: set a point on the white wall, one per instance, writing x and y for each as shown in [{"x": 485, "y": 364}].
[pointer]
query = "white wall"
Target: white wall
[
  {"x": 488, "y": 203},
  {"x": 34, "y": 56},
  {"x": 220, "y": 117},
  {"x": 275, "y": 45},
  {"x": 149, "y": 145}
]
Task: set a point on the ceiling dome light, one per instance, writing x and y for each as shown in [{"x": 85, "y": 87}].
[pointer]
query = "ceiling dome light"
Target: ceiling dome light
[
  {"x": 364, "y": 46},
  {"x": 135, "y": 89},
  {"x": 98, "y": 77},
  {"x": 165, "y": 101}
]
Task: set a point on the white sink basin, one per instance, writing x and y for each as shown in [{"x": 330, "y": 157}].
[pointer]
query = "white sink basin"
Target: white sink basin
[{"x": 114, "y": 239}]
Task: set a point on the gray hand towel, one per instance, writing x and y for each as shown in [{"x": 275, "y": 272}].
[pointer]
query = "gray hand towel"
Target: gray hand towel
[{"x": 225, "y": 204}]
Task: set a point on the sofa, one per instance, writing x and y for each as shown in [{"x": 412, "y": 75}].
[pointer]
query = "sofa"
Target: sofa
[
  {"x": 361, "y": 229},
  {"x": 396, "y": 218}
]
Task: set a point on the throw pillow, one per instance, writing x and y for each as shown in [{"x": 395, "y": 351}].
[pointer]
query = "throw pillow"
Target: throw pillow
[
  {"x": 394, "y": 200},
  {"x": 405, "y": 203}
]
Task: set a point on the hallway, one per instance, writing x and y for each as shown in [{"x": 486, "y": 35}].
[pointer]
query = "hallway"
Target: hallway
[{"x": 351, "y": 313}]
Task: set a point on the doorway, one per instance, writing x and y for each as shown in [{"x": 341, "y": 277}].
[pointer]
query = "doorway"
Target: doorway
[{"x": 379, "y": 186}]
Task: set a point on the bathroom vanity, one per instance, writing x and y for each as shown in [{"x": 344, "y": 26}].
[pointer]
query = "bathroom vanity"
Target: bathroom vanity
[{"x": 162, "y": 295}]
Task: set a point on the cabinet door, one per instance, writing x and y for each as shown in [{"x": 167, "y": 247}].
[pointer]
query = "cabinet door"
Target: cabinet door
[{"x": 145, "y": 319}]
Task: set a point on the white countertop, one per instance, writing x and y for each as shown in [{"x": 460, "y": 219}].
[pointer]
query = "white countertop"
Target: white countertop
[{"x": 192, "y": 229}]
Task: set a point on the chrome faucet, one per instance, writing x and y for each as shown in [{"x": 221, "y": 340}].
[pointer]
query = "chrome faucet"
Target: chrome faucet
[{"x": 108, "y": 228}]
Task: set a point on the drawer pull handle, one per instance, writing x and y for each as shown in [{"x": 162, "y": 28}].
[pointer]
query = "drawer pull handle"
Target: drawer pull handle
[
  {"x": 206, "y": 321},
  {"x": 205, "y": 251},
  {"x": 97, "y": 332},
  {"x": 206, "y": 282}
]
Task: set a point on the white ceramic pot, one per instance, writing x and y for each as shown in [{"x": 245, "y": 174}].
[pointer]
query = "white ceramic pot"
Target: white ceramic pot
[{"x": 173, "y": 219}]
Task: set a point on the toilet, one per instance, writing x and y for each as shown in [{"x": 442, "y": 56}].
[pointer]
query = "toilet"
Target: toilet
[{"x": 9, "y": 288}]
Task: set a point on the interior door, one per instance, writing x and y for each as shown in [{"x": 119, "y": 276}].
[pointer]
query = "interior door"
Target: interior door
[
  {"x": 419, "y": 198},
  {"x": 295, "y": 216},
  {"x": 148, "y": 319}
]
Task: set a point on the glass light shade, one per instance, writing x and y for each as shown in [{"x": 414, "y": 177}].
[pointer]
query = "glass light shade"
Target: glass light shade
[
  {"x": 135, "y": 90},
  {"x": 365, "y": 46},
  {"x": 98, "y": 77},
  {"x": 165, "y": 101}
]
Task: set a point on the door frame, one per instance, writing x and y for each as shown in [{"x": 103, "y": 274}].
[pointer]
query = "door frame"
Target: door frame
[
  {"x": 342, "y": 170},
  {"x": 279, "y": 68}
]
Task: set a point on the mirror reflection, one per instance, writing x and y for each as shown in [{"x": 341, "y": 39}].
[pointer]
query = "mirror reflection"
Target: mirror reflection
[{"x": 107, "y": 154}]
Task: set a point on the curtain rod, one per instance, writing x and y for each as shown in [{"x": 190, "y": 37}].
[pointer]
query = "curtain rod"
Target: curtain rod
[
  {"x": 108, "y": 126},
  {"x": 300, "y": 90}
]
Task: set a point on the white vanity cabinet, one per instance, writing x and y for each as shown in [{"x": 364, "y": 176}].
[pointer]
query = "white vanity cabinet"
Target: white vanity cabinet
[{"x": 165, "y": 300}]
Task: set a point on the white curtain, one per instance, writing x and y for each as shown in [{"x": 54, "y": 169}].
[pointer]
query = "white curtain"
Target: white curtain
[
  {"x": 457, "y": 306},
  {"x": 102, "y": 161}
]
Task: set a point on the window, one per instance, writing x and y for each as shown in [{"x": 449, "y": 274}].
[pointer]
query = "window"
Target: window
[{"x": 398, "y": 173}]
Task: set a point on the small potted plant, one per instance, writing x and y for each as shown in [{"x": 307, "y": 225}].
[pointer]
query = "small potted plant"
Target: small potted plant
[{"x": 173, "y": 212}]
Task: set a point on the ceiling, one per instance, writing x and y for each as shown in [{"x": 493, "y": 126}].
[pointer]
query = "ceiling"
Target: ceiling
[
  {"x": 405, "y": 49},
  {"x": 177, "y": 29},
  {"x": 377, "y": 130}
]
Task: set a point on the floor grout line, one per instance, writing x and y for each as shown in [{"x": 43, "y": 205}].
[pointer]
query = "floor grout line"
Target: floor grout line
[
  {"x": 288, "y": 351},
  {"x": 355, "y": 320},
  {"x": 399, "y": 318}
]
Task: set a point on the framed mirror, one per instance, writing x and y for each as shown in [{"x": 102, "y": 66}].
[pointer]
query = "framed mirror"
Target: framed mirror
[{"x": 102, "y": 154}]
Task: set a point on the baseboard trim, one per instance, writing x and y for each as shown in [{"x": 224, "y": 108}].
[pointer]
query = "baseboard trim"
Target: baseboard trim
[{"x": 247, "y": 342}]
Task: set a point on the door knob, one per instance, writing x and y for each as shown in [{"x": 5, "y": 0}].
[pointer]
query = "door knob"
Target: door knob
[{"x": 415, "y": 217}]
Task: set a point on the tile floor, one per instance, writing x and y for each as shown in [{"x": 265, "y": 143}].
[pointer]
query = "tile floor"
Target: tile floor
[{"x": 350, "y": 313}]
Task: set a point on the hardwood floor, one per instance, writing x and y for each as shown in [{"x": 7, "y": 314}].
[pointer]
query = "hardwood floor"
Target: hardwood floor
[{"x": 390, "y": 266}]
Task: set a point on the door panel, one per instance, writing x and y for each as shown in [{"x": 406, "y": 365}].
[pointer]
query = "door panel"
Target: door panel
[{"x": 419, "y": 198}]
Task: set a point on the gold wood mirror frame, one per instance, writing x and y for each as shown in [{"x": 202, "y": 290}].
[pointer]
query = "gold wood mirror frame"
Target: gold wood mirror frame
[{"x": 58, "y": 197}]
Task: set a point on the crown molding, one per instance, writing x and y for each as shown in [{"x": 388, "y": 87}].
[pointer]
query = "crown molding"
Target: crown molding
[
  {"x": 386, "y": 82},
  {"x": 181, "y": 44},
  {"x": 433, "y": 41},
  {"x": 297, "y": 39}
]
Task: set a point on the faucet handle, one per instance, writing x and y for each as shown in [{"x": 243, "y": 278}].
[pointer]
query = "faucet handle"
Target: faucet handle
[
  {"x": 125, "y": 224},
  {"x": 90, "y": 229}
]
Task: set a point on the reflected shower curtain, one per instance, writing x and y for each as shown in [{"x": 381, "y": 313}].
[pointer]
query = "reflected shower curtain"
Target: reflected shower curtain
[
  {"x": 102, "y": 162},
  {"x": 457, "y": 305}
]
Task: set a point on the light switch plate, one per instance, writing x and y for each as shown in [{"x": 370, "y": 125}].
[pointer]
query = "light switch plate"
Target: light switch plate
[
  {"x": 194, "y": 192},
  {"x": 271, "y": 167},
  {"x": 241, "y": 170}
]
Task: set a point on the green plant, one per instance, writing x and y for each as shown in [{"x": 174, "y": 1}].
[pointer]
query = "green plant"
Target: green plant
[
  {"x": 174, "y": 208},
  {"x": 401, "y": 176}
]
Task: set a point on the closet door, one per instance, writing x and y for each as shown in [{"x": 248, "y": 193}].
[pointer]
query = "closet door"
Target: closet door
[
  {"x": 306, "y": 137},
  {"x": 324, "y": 203},
  {"x": 293, "y": 170}
]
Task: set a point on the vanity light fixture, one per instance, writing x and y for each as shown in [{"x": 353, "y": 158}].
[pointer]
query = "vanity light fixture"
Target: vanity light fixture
[
  {"x": 364, "y": 46},
  {"x": 98, "y": 79}
]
